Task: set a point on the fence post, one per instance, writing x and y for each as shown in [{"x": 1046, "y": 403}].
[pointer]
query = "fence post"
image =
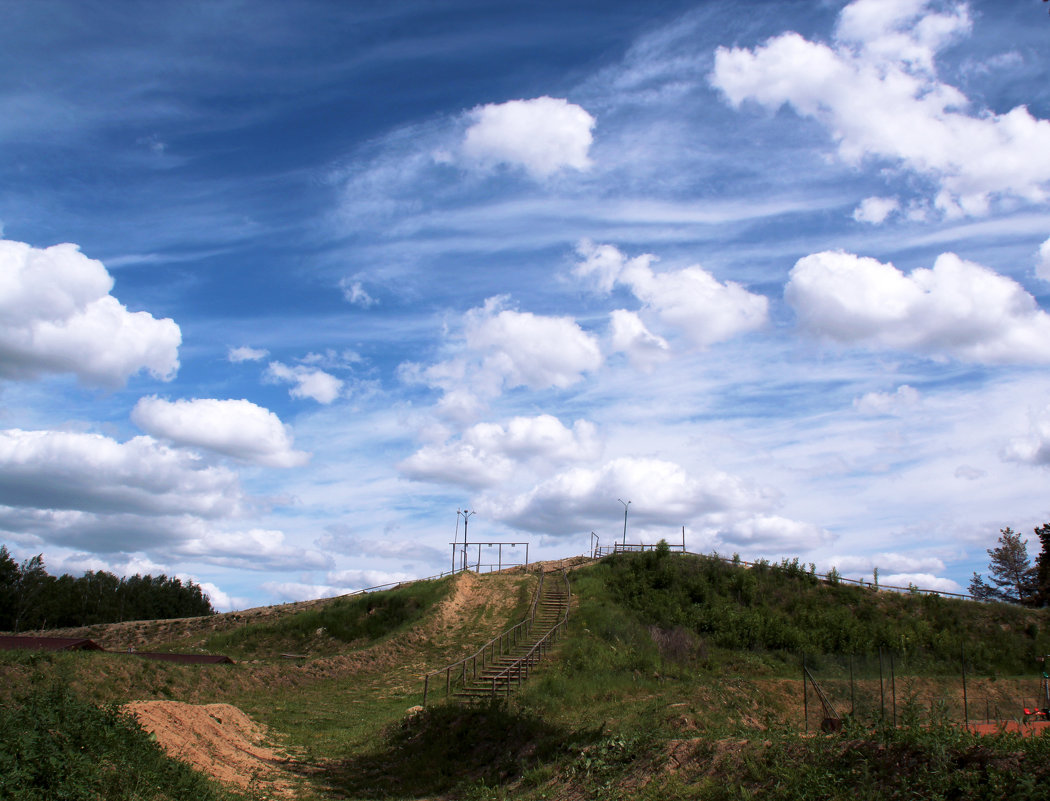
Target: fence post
[{"x": 805, "y": 693}]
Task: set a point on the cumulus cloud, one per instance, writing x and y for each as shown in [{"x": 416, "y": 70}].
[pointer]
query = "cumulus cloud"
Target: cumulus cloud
[
  {"x": 887, "y": 562},
  {"x": 876, "y": 91},
  {"x": 875, "y": 210},
  {"x": 542, "y": 136},
  {"x": 255, "y": 549},
  {"x": 57, "y": 316},
  {"x": 1034, "y": 447},
  {"x": 308, "y": 382},
  {"x": 489, "y": 453},
  {"x": 247, "y": 354},
  {"x": 499, "y": 348},
  {"x": 56, "y": 470},
  {"x": 958, "y": 308},
  {"x": 530, "y": 350},
  {"x": 662, "y": 493},
  {"x": 628, "y": 335},
  {"x": 690, "y": 301},
  {"x": 237, "y": 428}
]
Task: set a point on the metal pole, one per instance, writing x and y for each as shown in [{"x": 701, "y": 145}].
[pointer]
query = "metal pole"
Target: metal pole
[
  {"x": 805, "y": 693},
  {"x": 882, "y": 689},
  {"x": 500, "y": 556},
  {"x": 852, "y": 698},
  {"x": 893, "y": 685},
  {"x": 526, "y": 554},
  {"x": 625, "y": 505},
  {"x": 455, "y": 539}
]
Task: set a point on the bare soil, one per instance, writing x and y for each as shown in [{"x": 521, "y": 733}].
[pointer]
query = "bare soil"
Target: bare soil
[{"x": 221, "y": 741}]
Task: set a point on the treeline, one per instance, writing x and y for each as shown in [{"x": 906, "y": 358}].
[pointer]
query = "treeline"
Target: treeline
[{"x": 31, "y": 598}]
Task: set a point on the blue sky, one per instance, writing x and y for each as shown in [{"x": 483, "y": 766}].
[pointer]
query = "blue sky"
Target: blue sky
[{"x": 283, "y": 287}]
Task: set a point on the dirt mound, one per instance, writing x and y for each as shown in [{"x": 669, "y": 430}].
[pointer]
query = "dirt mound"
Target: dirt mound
[{"x": 217, "y": 739}]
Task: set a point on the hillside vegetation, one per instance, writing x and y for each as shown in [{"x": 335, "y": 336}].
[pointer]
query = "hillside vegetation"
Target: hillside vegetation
[{"x": 680, "y": 678}]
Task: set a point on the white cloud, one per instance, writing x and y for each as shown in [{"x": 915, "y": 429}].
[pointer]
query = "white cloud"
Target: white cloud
[
  {"x": 530, "y": 350},
  {"x": 968, "y": 473},
  {"x": 875, "y": 210},
  {"x": 1034, "y": 447},
  {"x": 876, "y": 91},
  {"x": 922, "y": 581},
  {"x": 542, "y": 135},
  {"x": 661, "y": 493},
  {"x": 629, "y": 335},
  {"x": 308, "y": 382},
  {"x": 54, "y": 470},
  {"x": 339, "y": 539},
  {"x": 767, "y": 532},
  {"x": 888, "y": 402},
  {"x": 957, "y": 308},
  {"x": 237, "y": 428},
  {"x": 1042, "y": 267},
  {"x": 689, "y": 300},
  {"x": 488, "y": 454},
  {"x": 222, "y": 601},
  {"x": 57, "y": 316},
  {"x": 897, "y": 562},
  {"x": 355, "y": 293},
  {"x": 255, "y": 549},
  {"x": 247, "y": 354},
  {"x": 499, "y": 349}
]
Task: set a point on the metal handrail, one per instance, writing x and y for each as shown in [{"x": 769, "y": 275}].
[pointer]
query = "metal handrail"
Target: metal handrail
[
  {"x": 487, "y": 649},
  {"x": 619, "y": 548},
  {"x": 543, "y": 645}
]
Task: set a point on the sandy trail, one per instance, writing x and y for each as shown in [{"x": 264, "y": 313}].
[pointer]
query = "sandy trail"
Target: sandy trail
[{"x": 219, "y": 740}]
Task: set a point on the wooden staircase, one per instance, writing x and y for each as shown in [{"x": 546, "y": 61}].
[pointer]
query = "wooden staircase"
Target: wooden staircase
[{"x": 504, "y": 663}]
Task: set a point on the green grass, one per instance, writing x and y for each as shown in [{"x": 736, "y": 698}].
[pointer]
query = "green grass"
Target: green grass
[
  {"x": 54, "y": 745},
  {"x": 359, "y": 620},
  {"x": 679, "y": 679}
]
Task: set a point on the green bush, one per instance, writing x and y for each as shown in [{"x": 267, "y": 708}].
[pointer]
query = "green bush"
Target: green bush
[{"x": 786, "y": 608}]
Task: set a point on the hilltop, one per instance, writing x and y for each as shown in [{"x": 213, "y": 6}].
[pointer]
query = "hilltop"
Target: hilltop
[{"x": 680, "y": 677}]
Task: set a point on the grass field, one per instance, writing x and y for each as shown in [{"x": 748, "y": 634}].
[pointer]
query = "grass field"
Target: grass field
[{"x": 680, "y": 678}]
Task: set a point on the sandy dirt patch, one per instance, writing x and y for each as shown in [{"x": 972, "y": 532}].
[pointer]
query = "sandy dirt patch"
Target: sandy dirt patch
[{"x": 219, "y": 740}]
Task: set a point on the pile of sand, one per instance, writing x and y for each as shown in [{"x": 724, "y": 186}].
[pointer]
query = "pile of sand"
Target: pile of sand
[{"x": 217, "y": 739}]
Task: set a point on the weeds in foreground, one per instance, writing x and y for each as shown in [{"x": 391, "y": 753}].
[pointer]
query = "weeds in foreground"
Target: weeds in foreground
[
  {"x": 453, "y": 748},
  {"x": 53, "y": 745}
]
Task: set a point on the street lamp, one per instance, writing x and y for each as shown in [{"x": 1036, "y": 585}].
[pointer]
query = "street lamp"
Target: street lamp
[{"x": 625, "y": 505}]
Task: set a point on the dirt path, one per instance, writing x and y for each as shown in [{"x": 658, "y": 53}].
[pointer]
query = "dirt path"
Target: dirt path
[{"x": 219, "y": 740}]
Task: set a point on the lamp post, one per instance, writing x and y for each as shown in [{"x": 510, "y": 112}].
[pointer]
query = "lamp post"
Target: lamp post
[
  {"x": 625, "y": 505},
  {"x": 466, "y": 516}
]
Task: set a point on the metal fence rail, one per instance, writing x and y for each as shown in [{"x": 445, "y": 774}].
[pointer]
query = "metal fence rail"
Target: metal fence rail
[{"x": 490, "y": 651}]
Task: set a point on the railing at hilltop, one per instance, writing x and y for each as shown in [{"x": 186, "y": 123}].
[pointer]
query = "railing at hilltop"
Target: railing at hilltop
[{"x": 832, "y": 579}]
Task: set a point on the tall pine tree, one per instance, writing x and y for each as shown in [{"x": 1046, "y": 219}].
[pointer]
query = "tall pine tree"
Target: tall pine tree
[
  {"x": 1010, "y": 571},
  {"x": 1042, "y": 566}
]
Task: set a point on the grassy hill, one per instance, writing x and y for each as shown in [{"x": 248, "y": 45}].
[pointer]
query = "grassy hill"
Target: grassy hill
[{"x": 681, "y": 678}]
